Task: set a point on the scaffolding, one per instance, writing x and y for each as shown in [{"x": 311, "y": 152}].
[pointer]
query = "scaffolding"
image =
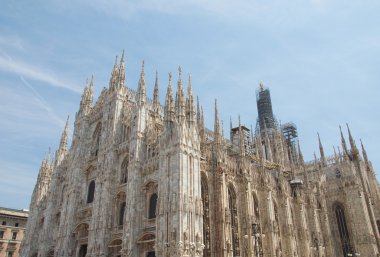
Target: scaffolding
[
  {"x": 266, "y": 119},
  {"x": 289, "y": 131},
  {"x": 246, "y": 134}
]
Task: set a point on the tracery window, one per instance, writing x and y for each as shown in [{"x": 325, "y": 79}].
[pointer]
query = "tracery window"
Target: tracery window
[
  {"x": 91, "y": 192},
  {"x": 121, "y": 213},
  {"x": 206, "y": 217},
  {"x": 234, "y": 222},
  {"x": 152, "y": 206},
  {"x": 124, "y": 171},
  {"x": 343, "y": 230}
]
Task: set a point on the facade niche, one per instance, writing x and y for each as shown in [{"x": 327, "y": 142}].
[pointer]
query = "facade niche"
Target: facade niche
[
  {"x": 119, "y": 209},
  {"x": 91, "y": 192}
]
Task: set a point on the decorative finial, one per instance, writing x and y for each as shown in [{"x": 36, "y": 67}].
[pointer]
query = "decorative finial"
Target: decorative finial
[
  {"x": 322, "y": 152},
  {"x": 346, "y": 156},
  {"x": 354, "y": 150},
  {"x": 143, "y": 68}
]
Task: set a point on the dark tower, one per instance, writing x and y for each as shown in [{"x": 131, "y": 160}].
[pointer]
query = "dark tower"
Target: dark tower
[{"x": 266, "y": 119}]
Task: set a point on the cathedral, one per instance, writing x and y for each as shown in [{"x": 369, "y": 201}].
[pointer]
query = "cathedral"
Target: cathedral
[{"x": 141, "y": 179}]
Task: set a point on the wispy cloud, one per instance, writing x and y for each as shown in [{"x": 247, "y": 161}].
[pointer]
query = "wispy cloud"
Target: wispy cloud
[
  {"x": 41, "y": 101},
  {"x": 7, "y": 64}
]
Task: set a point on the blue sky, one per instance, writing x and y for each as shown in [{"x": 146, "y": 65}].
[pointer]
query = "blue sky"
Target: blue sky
[{"x": 319, "y": 58}]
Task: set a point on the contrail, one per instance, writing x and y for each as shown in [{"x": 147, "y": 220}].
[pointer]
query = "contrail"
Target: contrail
[{"x": 42, "y": 102}]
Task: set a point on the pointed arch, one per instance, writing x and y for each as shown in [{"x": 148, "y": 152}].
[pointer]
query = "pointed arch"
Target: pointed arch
[
  {"x": 81, "y": 230},
  {"x": 91, "y": 192},
  {"x": 342, "y": 228},
  {"x": 234, "y": 225},
  {"x": 121, "y": 213},
  {"x": 119, "y": 209},
  {"x": 152, "y": 206}
]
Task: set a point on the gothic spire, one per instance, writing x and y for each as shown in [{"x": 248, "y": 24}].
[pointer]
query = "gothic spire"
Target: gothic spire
[
  {"x": 156, "y": 102},
  {"x": 344, "y": 146},
  {"x": 169, "y": 107},
  {"x": 114, "y": 74},
  {"x": 83, "y": 101},
  {"x": 198, "y": 113},
  {"x": 322, "y": 152},
  {"x": 141, "y": 91},
  {"x": 300, "y": 155},
  {"x": 180, "y": 97},
  {"x": 365, "y": 157},
  {"x": 121, "y": 71},
  {"x": 354, "y": 150},
  {"x": 90, "y": 97},
  {"x": 190, "y": 106},
  {"x": 64, "y": 136},
  {"x": 216, "y": 124}
]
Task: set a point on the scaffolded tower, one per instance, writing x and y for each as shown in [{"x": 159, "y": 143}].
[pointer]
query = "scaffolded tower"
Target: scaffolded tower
[
  {"x": 266, "y": 119},
  {"x": 289, "y": 130}
]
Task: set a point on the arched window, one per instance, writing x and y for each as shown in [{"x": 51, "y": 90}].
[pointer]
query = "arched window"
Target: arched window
[
  {"x": 121, "y": 213},
  {"x": 234, "y": 221},
  {"x": 96, "y": 138},
  {"x": 152, "y": 206},
  {"x": 206, "y": 217},
  {"x": 91, "y": 192},
  {"x": 124, "y": 171},
  {"x": 256, "y": 229},
  {"x": 343, "y": 230}
]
